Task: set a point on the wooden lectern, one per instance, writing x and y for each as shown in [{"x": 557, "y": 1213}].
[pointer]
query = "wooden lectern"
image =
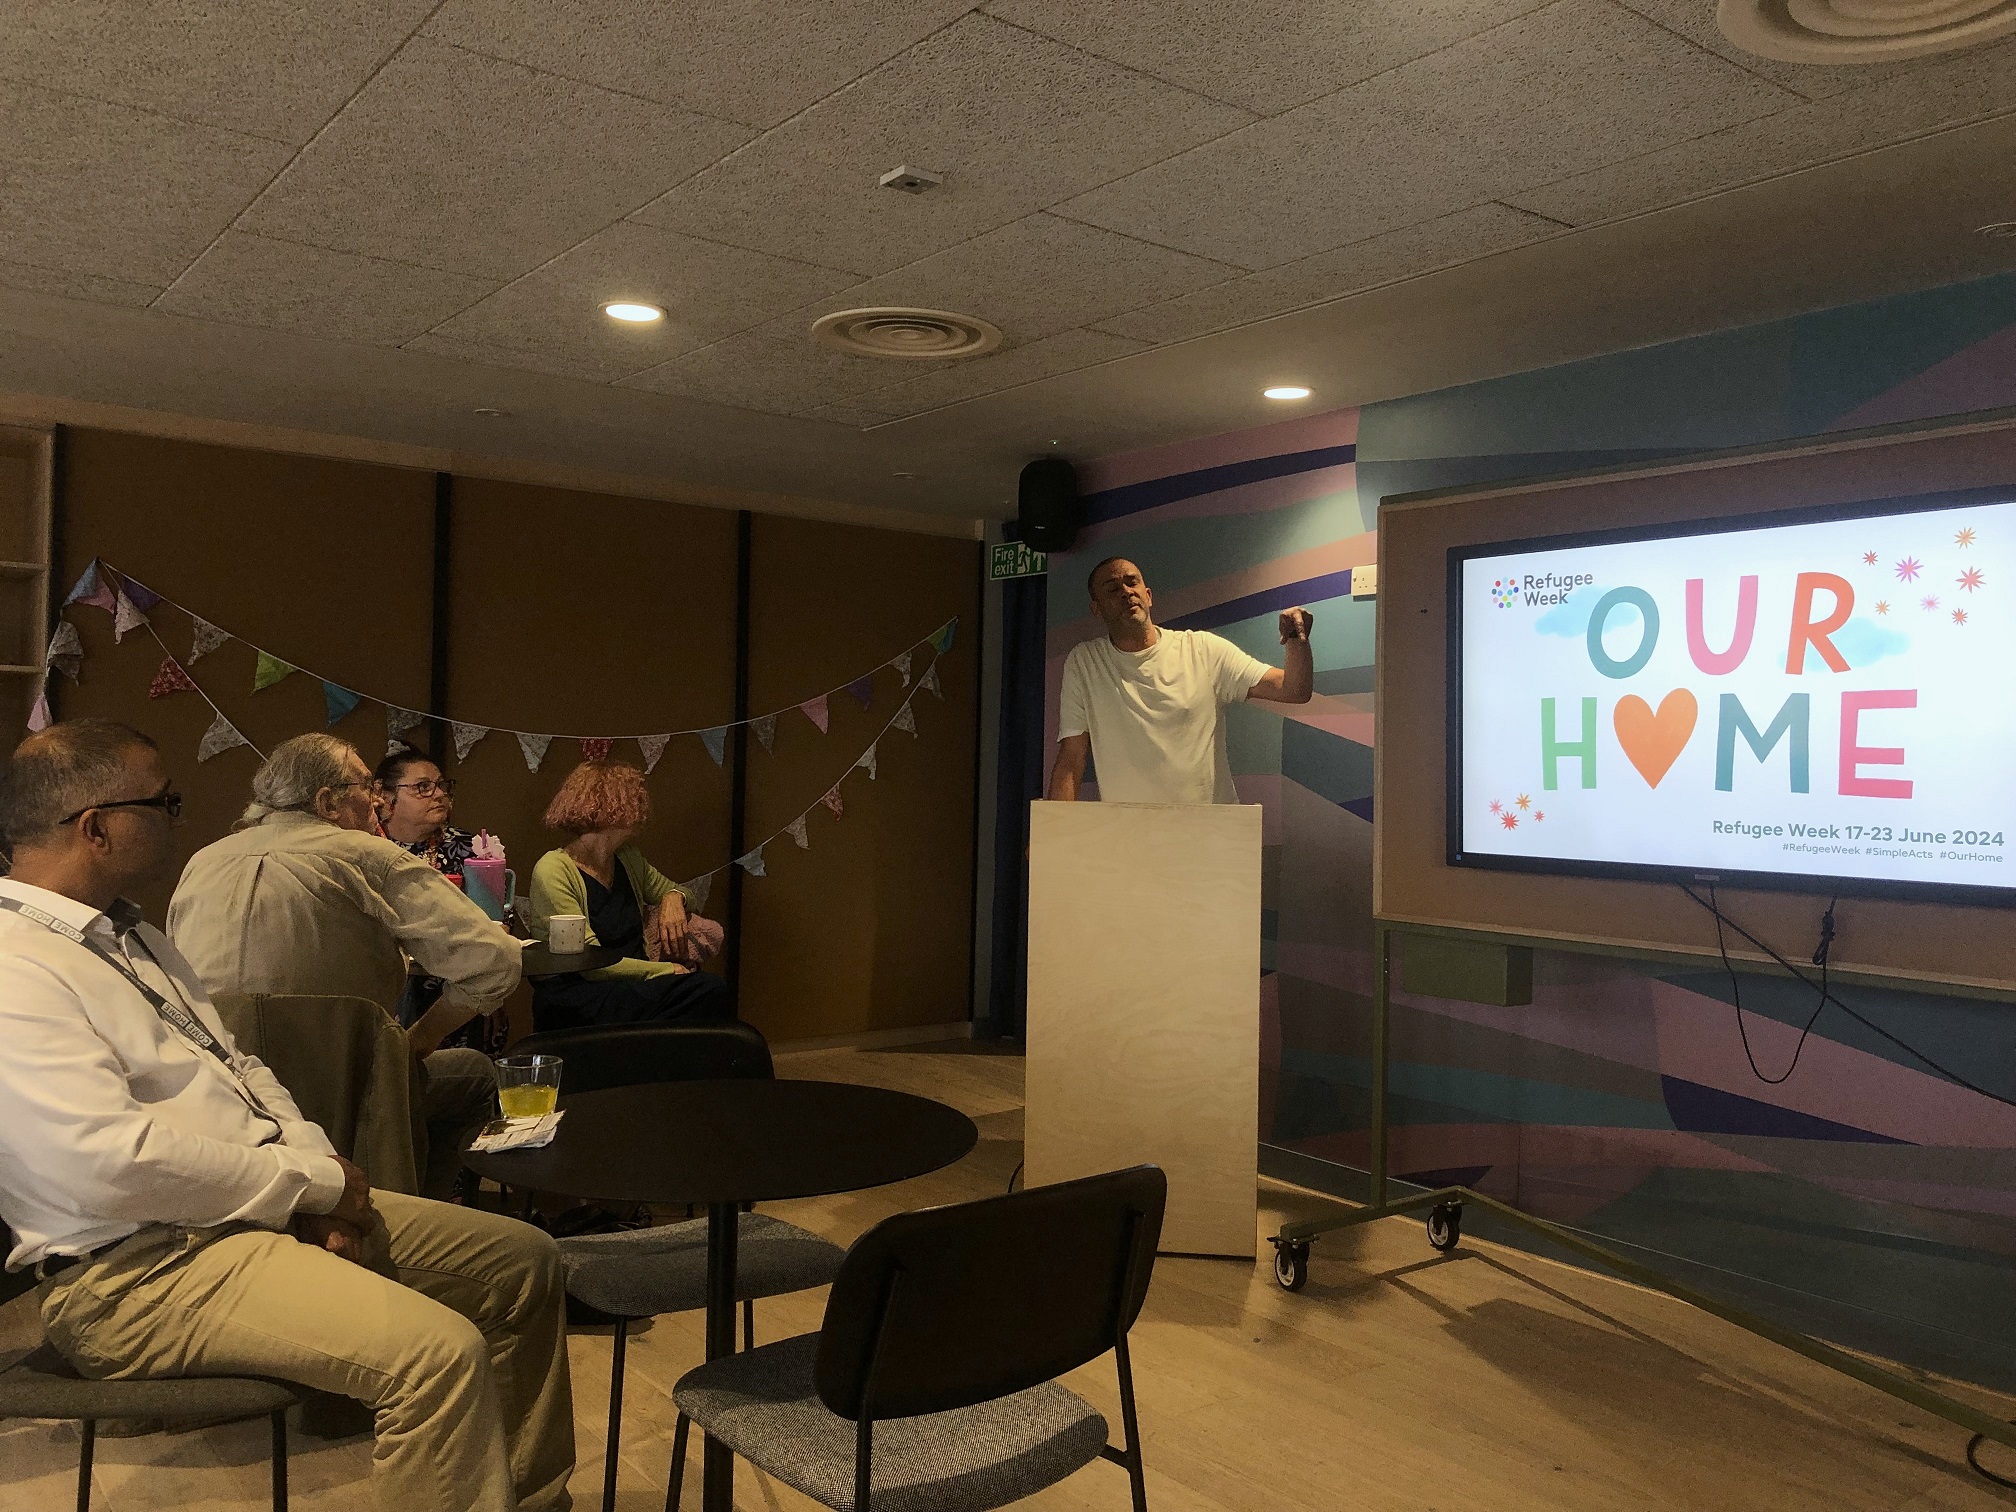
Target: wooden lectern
[{"x": 1144, "y": 1006}]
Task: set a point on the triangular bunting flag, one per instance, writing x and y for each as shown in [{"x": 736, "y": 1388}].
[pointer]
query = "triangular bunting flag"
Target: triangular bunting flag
[
  {"x": 700, "y": 887},
  {"x": 833, "y": 802},
  {"x": 796, "y": 830},
  {"x": 941, "y": 638},
  {"x": 221, "y": 736},
  {"x": 66, "y": 651},
  {"x": 93, "y": 589},
  {"x": 397, "y": 721},
  {"x": 766, "y": 730},
  {"x": 596, "y": 748},
  {"x": 170, "y": 678},
  {"x": 653, "y": 746},
  {"x": 205, "y": 639},
  {"x": 752, "y": 863},
  {"x": 716, "y": 741},
  {"x": 337, "y": 702},
  {"x": 39, "y": 717},
  {"x": 144, "y": 599},
  {"x": 272, "y": 670},
  {"x": 534, "y": 748},
  {"x": 814, "y": 709},
  {"x": 929, "y": 681},
  {"x": 903, "y": 668},
  {"x": 126, "y": 616},
  {"x": 863, "y": 688},
  {"x": 905, "y": 720},
  {"x": 868, "y": 760},
  {"x": 465, "y": 737}
]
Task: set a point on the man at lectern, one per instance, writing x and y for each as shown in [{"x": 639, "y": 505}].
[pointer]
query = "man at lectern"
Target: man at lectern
[{"x": 1148, "y": 704}]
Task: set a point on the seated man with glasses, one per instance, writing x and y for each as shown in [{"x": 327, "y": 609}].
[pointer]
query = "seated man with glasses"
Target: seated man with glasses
[
  {"x": 181, "y": 1215},
  {"x": 303, "y": 898}
]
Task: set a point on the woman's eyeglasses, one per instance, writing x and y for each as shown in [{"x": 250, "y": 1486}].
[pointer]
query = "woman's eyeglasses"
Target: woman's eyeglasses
[
  {"x": 445, "y": 787},
  {"x": 169, "y": 804}
]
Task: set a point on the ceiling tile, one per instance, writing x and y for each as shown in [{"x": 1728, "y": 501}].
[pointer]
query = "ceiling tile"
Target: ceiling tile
[
  {"x": 1695, "y": 20},
  {"x": 706, "y": 289},
  {"x": 698, "y": 54},
  {"x": 1441, "y": 243},
  {"x": 859, "y": 414},
  {"x": 1578, "y": 85},
  {"x": 119, "y": 192},
  {"x": 252, "y": 280},
  {"x": 560, "y": 364},
  {"x": 1065, "y": 352},
  {"x": 1956, "y": 89},
  {"x": 776, "y": 367},
  {"x": 1012, "y": 120},
  {"x": 74, "y": 285},
  {"x": 272, "y": 68},
  {"x": 454, "y": 161},
  {"x": 1038, "y": 276},
  {"x": 1267, "y": 55}
]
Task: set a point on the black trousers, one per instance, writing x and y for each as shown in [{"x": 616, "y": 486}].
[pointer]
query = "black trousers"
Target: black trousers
[{"x": 575, "y": 1002}]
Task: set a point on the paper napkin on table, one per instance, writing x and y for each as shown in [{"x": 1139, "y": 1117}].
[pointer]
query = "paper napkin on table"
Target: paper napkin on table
[{"x": 518, "y": 1134}]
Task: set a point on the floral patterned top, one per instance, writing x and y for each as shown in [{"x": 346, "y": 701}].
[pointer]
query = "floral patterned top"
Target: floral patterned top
[{"x": 446, "y": 851}]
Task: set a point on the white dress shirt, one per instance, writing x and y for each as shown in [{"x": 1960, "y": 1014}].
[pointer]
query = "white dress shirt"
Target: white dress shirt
[{"x": 111, "y": 1119}]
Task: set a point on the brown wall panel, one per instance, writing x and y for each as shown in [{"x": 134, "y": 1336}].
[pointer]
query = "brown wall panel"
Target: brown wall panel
[
  {"x": 325, "y": 564},
  {"x": 871, "y": 928}
]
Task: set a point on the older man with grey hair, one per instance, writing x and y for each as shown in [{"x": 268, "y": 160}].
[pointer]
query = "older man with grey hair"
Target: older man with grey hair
[
  {"x": 183, "y": 1218},
  {"x": 303, "y": 898}
]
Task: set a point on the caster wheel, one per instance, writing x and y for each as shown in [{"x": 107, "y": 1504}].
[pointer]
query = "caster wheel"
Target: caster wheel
[
  {"x": 1291, "y": 1266},
  {"x": 1445, "y": 1226}
]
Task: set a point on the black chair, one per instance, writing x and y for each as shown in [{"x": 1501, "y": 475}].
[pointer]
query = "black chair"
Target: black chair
[
  {"x": 640, "y": 1273},
  {"x": 42, "y": 1384},
  {"x": 931, "y": 1386}
]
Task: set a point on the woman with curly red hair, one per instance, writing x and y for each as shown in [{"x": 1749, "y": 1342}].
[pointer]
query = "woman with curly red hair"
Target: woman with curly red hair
[{"x": 630, "y": 906}]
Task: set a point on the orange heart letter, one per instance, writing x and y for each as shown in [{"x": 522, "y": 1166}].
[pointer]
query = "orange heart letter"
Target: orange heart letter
[{"x": 1654, "y": 741}]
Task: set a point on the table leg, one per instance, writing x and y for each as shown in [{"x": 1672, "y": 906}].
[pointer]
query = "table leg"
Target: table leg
[{"x": 723, "y": 1227}]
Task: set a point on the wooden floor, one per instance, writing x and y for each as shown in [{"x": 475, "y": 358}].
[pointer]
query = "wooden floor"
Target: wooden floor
[{"x": 1398, "y": 1380}]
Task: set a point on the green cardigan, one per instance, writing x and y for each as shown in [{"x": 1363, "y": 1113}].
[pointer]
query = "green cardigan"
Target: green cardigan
[{"x": 558, "y": 887}]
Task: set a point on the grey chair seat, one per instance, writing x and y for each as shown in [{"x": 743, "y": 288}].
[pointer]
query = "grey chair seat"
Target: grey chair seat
[
  {"x": 762, "y": 1404},
  {"x": 42, "y": 1384},
  {"x": 640, "y": 1273}
]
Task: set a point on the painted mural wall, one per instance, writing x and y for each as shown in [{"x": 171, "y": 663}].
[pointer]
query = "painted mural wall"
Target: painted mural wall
[{"x": 1863, "y": 1196}]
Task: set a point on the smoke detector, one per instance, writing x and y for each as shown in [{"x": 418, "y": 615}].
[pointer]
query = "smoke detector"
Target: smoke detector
[
  {"x": 908, "y": 180},
  {"x": 1861, "y": 31},
  {"x": 906, "y": 334}
]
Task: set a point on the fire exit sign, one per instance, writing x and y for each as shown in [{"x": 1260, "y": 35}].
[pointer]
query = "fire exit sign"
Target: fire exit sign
[{"x": 1012, "y": 559}]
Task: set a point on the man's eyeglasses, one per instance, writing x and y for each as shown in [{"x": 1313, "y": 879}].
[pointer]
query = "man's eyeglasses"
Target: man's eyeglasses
[
  {"x": 427, "y": 788},
  {"x": 169, "y": 804}
]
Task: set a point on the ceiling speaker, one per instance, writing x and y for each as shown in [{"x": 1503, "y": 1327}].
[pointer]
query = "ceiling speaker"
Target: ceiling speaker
[{"x": 1047, "y": 504}]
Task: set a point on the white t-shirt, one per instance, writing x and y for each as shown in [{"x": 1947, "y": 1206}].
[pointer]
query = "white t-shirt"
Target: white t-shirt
[{"x": 1156, "y": 716}]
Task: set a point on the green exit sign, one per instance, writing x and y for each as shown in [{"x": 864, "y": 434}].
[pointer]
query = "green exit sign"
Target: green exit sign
[{"x": 1012, "y": 559}]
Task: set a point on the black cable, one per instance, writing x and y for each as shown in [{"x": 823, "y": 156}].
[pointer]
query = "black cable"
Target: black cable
[
  {"x": 1736, "y": 995},
  {"x": 1973, "y": 1445},
  {"x": 1827, "y": 996}
]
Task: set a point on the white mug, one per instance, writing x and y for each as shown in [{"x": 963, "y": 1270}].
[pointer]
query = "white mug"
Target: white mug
[{"x": 567, "y": 934}]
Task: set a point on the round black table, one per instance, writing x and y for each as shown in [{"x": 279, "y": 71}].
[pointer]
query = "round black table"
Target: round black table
[
  {"x": 541, "y": 962},
  {"x": 724, "y": 1143}
]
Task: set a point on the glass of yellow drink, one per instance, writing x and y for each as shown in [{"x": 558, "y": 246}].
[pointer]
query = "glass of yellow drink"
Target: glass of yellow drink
[{"x": 528, "y": 1086}]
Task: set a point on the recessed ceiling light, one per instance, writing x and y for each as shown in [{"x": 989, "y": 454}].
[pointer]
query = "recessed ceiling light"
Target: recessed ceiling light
[
  {"x": 492, "y": 414},
  {"x": 2000, "y": 230},
  {"x": 905, "y": 475},
  {"x": 638, "y": 314},
  {"x": 1285, "y": 391}
]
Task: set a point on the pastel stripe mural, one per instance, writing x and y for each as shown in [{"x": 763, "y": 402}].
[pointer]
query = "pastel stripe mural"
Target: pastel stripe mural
[{"x": 1864, "y": 1197}]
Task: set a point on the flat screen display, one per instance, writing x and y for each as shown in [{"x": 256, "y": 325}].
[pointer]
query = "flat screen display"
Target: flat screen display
[{"x": 1821, "y": 698}]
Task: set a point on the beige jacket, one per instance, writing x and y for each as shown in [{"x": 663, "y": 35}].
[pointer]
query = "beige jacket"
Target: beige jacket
[{"x": 296, "y": 905}]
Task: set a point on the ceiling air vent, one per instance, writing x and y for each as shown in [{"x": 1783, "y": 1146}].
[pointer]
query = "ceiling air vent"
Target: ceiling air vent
[
  {"x": 908, "y": 334},
  {"x": 1861, "y": 31}
]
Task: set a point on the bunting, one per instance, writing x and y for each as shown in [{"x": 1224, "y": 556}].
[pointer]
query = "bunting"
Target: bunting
[
  {"x": 126, "y": 616},
  {"x": 66, "y": 651},
  {"x": 534, "y": 749},
  {"x": 596, "y": 748},
  {"x": 698, "y": 889},
  {"x": 144, "y": 598},
  {"x": 863, "y": 688},
  {"x": 204, "y": 638},
  {"x": 39, "y": 717},
  {"x": 766, "y": 730},
  {"x": 652, "y": 747},
  {"x": 170, "y": 678},
  {"x": 752, "y": 863},
  {"x": 221, "y": 736},
  {"x": 716, "y": 741},
  {"x": 833, "y": 802},
  {"x": 814, "y": 709},
  {"x": 796, "y": 830},
  {"x": 941, "y": 638},
  {"x": 337, "y": 702},
  {"x": 465, "y": 737},
  {"x": 929, "y": 681},
  {"x": 272, "y": 670},
  {"x": 905, "y": 720},
  {"x": 867, "y": 761},
  {"x": 94, "y": 590},
  {"x": 902, "y": 665}
]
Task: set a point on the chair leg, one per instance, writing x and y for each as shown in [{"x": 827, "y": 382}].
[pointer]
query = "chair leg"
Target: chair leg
[
  {"x": 280, "y": 1460},
  {"x": 1131, "y": 1421},
  {"x": 748, "y": 1322},
  {"x": 615, "y": 1417},
  {"x": 88, "y": 1432},
  {"x": 678, "y": 1475}
]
